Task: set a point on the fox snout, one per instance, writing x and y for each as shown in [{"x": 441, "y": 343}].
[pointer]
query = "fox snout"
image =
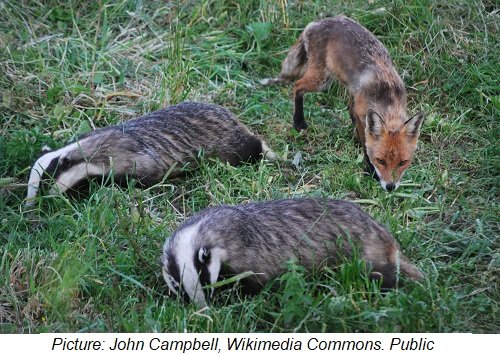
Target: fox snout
[
  {"x": 390, "y": 181},
  {"x": 389, "y": 186}
]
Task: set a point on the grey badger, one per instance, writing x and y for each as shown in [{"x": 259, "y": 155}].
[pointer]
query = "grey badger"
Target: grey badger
[
  {"x": 262, "y": 236},
  {"x": 148, "y": 147}
]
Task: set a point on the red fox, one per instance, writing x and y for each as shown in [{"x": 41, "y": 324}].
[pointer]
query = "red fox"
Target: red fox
[{"x": 341, "y": 48}]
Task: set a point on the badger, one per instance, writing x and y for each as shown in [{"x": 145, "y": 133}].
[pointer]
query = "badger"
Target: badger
[
  {"x": 149, "y": 147},
  {"x": 261, "y": 237}
]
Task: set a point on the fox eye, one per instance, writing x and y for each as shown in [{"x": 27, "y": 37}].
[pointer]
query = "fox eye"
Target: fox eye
[
  {"x": 403, "y": 162},
  {"x": 381, "y": 162}
]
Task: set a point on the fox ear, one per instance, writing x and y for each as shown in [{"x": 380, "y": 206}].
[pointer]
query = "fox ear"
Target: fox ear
[
  {"x": 413, "y": 125},
  {"x": 374, "y": 123}
]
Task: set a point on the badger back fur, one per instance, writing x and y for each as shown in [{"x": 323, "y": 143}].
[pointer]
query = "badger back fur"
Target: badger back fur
[
  {"x": 148, "y": 147},
  {"x": 261, "y": 237}
]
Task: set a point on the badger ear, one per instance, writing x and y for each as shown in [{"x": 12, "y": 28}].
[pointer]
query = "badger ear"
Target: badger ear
[
  {"x": 374, "y": 123},
  {"x": 413, "y": 125},
  {"x": 46, "y": 149},
  {"x": 203, "y": 255}
]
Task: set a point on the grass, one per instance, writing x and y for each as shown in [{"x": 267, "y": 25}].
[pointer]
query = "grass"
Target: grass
[{"x": 92, "y": 265}]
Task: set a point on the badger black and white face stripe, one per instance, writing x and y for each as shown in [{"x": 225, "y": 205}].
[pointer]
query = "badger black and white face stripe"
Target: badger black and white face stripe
[
  {"x": 46, "y": 164},
  {"x": 172, "y": 277},
  {"x": 179, "y": 267},
  {"x": 188, "y": 267},
  {"x": 67, "y": 173}
]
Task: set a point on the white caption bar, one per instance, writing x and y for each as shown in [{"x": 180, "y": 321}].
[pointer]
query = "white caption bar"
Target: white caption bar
[{"x": 179, "y": 343}]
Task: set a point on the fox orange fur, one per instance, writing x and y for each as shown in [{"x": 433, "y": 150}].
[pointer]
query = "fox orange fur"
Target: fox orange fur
[{"x": 341, "y": 48}]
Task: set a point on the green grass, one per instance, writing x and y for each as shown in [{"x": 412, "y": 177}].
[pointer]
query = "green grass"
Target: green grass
[{"x": 93, "y": 264}]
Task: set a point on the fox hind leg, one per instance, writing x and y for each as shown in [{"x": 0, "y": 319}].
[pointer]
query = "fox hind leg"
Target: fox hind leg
[{"x": 314, "y": 79}]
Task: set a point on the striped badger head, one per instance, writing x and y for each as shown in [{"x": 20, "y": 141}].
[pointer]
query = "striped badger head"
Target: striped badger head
[
  {"x": 189, "y": 264},
  {"x": 56, "y": 165}
]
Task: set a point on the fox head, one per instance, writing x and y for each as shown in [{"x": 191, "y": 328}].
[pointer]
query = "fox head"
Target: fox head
[{"x": 390, "y": 150}]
